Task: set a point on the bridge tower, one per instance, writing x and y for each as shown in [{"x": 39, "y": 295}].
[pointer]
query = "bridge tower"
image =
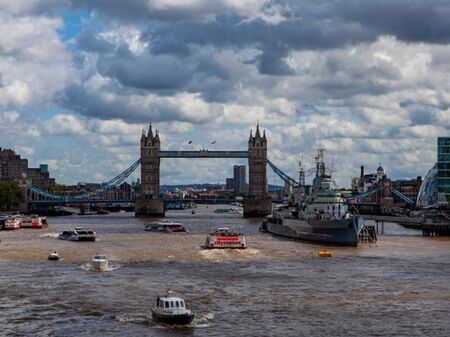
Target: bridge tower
[
  {"x": 257, "y": 204},
  {"x": 149, "y": 203}
]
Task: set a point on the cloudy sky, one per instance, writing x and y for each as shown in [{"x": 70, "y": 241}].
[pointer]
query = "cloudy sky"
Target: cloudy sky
[{"x": 367, "y": 80}]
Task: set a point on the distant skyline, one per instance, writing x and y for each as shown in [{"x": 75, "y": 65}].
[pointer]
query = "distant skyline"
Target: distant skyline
[{"x": 367, "y": 80}]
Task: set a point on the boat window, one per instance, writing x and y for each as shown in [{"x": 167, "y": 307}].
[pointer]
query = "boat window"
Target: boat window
[
  {"x": 177, "y": 304},
  {"x": 171, "y": 304},
  {"x": 182, "y": 304},
  {"x": 166, "y": 304}
]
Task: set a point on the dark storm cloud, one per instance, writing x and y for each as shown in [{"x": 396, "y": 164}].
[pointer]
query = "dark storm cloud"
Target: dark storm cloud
[
  {"x": 88, "y": 40},
  {"x": 144, "y": 10},
  {"x": 145, "y": 71},
  {"x": 275, "y": 41},
  {"x": 307, "y": 26},
  {"x": 408, "y": 20},
  {"x": 108, "y": 105}
]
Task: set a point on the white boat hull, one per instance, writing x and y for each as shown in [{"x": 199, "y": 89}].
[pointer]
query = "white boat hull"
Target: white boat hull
[{"x": 99, "y": 265}]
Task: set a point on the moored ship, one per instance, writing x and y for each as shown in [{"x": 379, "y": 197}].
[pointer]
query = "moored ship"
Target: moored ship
[
  {"x": 225, "y": 238},
  {"x": 323, "y": 217}
]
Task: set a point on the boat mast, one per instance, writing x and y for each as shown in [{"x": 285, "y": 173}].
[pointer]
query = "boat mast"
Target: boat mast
[
  {"x": 301, "y": 182},
  {"x": 320, "y": 163}
]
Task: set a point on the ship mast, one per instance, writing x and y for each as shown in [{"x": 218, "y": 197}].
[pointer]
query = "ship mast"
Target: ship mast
[
  {"x": 320, "y": 163},
  {"x": 301, "y": 181}
]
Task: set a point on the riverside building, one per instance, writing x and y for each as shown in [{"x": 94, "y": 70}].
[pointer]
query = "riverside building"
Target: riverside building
[{"x": 443, "y": 169}]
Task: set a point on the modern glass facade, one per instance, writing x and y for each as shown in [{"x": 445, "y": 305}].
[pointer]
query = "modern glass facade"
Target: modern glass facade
[
  {"x": 443, "y": 168},
  {"x": 239, "y": 178}
]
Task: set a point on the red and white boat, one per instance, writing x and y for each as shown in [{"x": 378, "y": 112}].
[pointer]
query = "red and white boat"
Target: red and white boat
[
  {"x": 12, "y": 223},
  {"x": 225, "y": 238},
  {"x": 34, "y": 221}
]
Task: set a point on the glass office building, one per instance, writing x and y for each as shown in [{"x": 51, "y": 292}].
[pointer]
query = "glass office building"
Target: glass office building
[{"x": 443, "y": 169}]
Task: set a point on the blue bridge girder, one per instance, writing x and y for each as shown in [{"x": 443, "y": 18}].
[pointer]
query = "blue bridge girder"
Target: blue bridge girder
[
  {"x": 365, "y": 194},
  {"x": 402, "y": 196},
  {"x": 203, "y": 154},
  {"x": 288, "y": 180},
  {"x": 60, "y": 202},
  {"x": 51, "y": 198}
]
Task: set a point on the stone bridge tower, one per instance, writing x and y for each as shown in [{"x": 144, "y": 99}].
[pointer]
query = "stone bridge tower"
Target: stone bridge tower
[
  {"x": 150, "y": 162},
  {"x": 257, "y": 165},
  {"x": 257, "y": 204},
  {"x": 149, "y": 203}
]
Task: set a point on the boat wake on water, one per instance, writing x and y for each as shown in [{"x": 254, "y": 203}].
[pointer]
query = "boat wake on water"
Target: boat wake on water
[
  {"x": 49, "y": 235},
  {"x": 88, "y": 266},
  {"x": 203, "y": 321},
  {"x": 218, "y": 255}
]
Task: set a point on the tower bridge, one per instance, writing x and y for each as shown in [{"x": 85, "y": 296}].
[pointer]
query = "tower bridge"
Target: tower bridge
[{"x": 149, "y": 203}]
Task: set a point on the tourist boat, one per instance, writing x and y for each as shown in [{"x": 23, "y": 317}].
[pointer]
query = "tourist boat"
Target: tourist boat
[
  {"x": 53, "y": 256},
  {"x": 99, "y": 262},
  {"x": 172, "y": 310},
  {"x": 34, "y": 221},
  {"x": 228, "y": 210},
  {"x": 324, "y": 217},
  {"x": 225, "y": 238},
  {"x": 165, "y": 226},
  {"x": 78, "y": 234},
  {"x": 12, "y": 223}
]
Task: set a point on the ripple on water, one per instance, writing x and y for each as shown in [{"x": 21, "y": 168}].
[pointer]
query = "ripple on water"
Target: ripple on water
[
  {"x": 111, "y": 267},
  {"x": 219, "y": 255}
]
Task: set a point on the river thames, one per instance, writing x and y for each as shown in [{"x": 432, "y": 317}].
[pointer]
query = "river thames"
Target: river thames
[{"x": 277, "y": 287}]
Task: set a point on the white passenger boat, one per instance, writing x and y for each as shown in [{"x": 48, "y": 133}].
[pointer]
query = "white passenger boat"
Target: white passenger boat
[
  {"x": 78, "y": 234},
  {"x": 99, "y": 262},
  {"x": 172, "y": 310},
  {"x": 165, "y": 226},
  {"x": 34, "y": 221},
  {"x": 225, "y": 238},
  {"x": 12, "y": 223}
]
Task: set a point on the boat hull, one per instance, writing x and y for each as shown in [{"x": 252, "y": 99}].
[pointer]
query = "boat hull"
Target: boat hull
[
  {"x": 219, "y": 242},
  {"x": 339, "y": 231},
  {"x": 99, "y": 265},
  {"x": 182, "y": 319}
]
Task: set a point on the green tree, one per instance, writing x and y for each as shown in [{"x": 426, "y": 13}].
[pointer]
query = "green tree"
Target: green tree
[{"x": 11, "y": 195}]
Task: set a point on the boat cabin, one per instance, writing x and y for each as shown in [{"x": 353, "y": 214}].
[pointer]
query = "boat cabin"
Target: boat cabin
[
  {"x": 99, "y": 257},
  {"x": 170, "y": 304}
]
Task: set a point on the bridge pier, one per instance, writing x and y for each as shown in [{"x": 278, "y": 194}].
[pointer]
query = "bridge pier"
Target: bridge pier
[
  {"x": 149, "y": 208},
  {"x": 257, "y": 208}
]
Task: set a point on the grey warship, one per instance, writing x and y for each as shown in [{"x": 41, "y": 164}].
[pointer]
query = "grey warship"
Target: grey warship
[{"x": 322, "y": 217}]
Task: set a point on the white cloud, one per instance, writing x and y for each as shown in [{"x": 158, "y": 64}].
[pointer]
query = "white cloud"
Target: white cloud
[
  {"x": 10, "y": 116},
  {"x": 65, "y": 125}
]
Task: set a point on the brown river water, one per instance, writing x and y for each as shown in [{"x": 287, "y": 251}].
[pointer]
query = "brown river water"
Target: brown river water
[{"x": 399, "y": 286}]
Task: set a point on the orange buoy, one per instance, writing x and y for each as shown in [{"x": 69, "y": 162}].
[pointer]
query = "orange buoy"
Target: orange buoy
[{"x": 325, "y": 253}]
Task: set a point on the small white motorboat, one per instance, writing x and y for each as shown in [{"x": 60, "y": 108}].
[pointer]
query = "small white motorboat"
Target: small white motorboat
[
  {"x": 53, "y": 256},
  {"x": 99, "y": 262},
  {"x": 172, "y": 310}
]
